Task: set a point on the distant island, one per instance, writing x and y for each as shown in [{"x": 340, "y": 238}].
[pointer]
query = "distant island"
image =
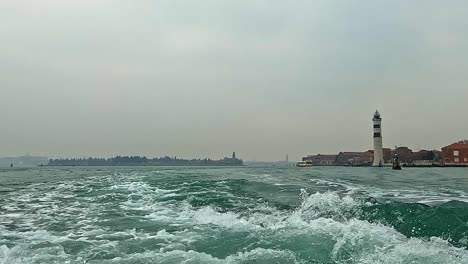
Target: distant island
[{"x": 144, "y": 161}]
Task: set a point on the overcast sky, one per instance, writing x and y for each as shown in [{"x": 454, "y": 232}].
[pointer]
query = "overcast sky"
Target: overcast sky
[{"x": 204, "y": 78}]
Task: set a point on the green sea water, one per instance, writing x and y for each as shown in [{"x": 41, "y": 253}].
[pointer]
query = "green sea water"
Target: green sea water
[{"x": 233, "y": 215}]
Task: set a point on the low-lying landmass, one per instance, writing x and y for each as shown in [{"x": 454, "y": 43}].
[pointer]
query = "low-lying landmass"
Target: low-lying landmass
[{"x": 144, "y": 161}]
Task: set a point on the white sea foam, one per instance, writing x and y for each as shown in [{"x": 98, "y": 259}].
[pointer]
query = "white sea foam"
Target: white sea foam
[
  {"x": 257, "y": 255},
  {"x": 421, "y": 194},
  {"x": 355, "y": 241},
  {"x": 12, "y": 256},
  {"x": 208, "y": 216}
]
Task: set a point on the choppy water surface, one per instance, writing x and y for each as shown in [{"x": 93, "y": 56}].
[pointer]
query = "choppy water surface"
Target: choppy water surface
[{"x": 233, "y": 215}]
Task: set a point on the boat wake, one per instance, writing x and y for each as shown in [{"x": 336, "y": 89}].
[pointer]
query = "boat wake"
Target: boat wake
[{"x": 196, "y": 221}]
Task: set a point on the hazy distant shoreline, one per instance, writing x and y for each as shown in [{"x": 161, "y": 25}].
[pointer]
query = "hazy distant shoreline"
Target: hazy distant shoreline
[{"x": 144, "y": 161}]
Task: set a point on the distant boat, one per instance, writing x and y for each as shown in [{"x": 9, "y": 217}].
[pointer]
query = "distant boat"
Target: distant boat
[
  {"x": 11, "y": 165},
  {"x": 304, "y": 164}
]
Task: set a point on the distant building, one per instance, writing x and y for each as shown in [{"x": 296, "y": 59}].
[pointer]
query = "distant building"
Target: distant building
[
  {"x": 422, "y": 155},
  {"x": 456, "y": 153},
  {"x": 355, "y": 158},
  {"x": 404, "y": 154},
  {"x": 387, "y": 155},
  {"x": 321, "y": 160}
]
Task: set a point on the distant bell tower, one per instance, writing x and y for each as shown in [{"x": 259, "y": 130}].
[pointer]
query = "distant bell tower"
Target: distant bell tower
[
  {"x": 233, "y": 155},
  {"x": 378, "y": 147}
]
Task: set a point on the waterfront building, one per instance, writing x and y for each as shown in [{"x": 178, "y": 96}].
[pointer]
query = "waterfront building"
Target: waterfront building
[
  {"x": 455, "y": 154},
  {"x": 423, "y": 155},
  {"x": 378, "y": 147},
  {"x": 404, "y": 154},
  {"x": 355, "y": 158},
  {"x": 321, "y": 160},
  {"x": 387, "y": 155}
]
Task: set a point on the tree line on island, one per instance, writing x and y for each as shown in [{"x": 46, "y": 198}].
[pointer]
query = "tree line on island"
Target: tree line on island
[{"x": 144, "y": 161}]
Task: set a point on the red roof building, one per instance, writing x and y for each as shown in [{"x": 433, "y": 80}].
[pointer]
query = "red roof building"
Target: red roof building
[{"x": 456, "y": 153}]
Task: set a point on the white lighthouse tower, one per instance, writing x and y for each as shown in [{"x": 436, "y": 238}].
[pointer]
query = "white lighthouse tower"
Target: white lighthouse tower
[{"x": 378, "y": 147}]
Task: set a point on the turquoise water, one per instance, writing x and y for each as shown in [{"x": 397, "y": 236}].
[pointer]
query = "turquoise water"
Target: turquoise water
[{"x": 233, "y": 215}]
